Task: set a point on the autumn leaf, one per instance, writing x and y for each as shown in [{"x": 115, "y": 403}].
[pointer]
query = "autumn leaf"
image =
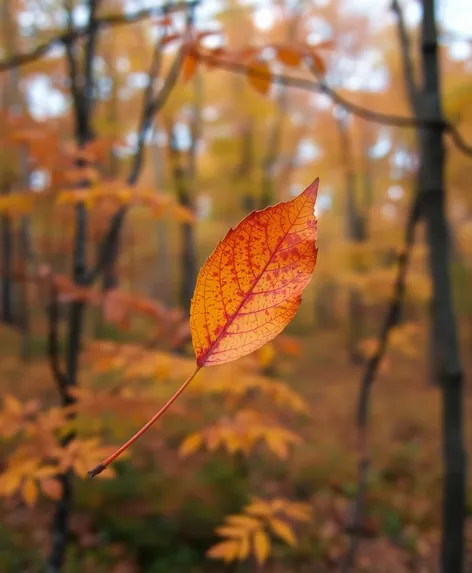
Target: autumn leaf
[
  {"x": 261, "y": 546},
  {"x": 283, "y": 530},
  {"x": 244, "y": 548},
  {"x": 29, "y": 492},
  {"x": 250, "y": 287},
  {"x": 191, "y": 444},
  {"x": 259, "y": 76},
  {"x": 226, "y": 550},
  {"x": 189, "y": 66},
  {"x": 288, "y": 55},
  {"x": 247, "y": 292}
]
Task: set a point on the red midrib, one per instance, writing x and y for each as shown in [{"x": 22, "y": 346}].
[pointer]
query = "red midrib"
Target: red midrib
[{"x": 247, "y": 295}]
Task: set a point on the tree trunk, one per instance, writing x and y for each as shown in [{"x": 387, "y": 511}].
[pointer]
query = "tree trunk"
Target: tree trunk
[
  {"x": 447, "y": 363},
  {"x": 83, "y": 94},
  {"x": 6, "y": 311}
]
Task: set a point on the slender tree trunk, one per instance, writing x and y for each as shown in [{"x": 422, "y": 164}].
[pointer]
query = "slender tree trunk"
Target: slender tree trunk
[
  {"x": 448, "y": 363},
  {"x": 355, "y": 234},
  {"x": 189, "y": 254},
  {"x": 83, "y": 94},
  {"x": 6, "y": 312},
  {"x": 161, "y": 282},
  {"x": 9, "y": 294}
]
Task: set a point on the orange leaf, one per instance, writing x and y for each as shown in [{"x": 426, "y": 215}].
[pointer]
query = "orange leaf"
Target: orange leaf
[
  {"x": 250, "y": 287},
  {"x": 191, "y": 444},
  {"x": 261, "y": 546},
  {"x": 259, "y": 76},
  {"x": 283, "y": 530},
  {"x": 190, "y": 66},
  {"x": 288, "y": 55},
  {"x": 29, "y": 492},
  {"x": 226, "y": 550},
  {"x": 244, "y": 548}
]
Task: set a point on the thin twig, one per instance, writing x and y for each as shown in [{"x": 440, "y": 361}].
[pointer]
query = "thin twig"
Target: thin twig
[
  {"x": 72, "y": 35},
  {"x": 151, "y": 105},
  {"x": 359, "y": 111},
  {"x": 391, "y": 320}
]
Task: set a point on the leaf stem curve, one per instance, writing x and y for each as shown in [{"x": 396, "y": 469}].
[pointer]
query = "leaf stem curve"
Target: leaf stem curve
[{"x": 105, "y": 463}]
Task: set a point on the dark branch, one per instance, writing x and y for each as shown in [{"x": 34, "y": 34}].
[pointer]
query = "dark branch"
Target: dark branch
[
  {"x": 53, "y": 340},
  {"x": 359, "y": 111},
  {"x": 151, "y": 105},
  {"x": 76, "y": 92},
  {"x": 71, "y": 36},
  {"x": 411, "y": 84},
  {"x": 89, "y": 56},
  {"x": 391, "y": 320}
]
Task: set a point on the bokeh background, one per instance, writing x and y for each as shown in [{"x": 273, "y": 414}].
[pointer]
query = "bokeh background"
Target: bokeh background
[{"x": 106, "y": 125}]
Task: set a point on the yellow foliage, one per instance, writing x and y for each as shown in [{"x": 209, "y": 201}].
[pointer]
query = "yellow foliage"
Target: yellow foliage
[
  {"x": 261, "y": 546},
  {"x": 251, "y": 529},
  {"x": 242, "y": 434}
]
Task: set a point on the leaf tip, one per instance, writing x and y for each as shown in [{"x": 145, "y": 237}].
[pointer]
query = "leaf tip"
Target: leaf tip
[{"x": 312, "y": 189}]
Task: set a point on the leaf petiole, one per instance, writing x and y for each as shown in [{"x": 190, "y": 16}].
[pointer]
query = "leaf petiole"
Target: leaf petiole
[{"x": 105, "y": 463}]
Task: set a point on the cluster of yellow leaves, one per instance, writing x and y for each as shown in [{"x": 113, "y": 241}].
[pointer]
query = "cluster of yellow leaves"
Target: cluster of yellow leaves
[
  {"x": 241, "y": 434},
  {"x": 250, "y": 383},
  {"x": 133, "y": 362},
  {"x": 39, "y": 458},
  {"x": 101, "y": 192},
  {"x": 249, "y": 533}
]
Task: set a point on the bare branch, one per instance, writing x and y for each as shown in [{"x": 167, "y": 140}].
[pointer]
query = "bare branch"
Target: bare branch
[
  {"x": 73, "y": 72},
  {"x": 151, "y": 105},
  {"x": 391, "y": 320},
  {"x": 359, "y": 111},
  {"x": 411, "y": 84},
  {"x": 89, "y": 56},
  {"x": 72, "y": 35}
]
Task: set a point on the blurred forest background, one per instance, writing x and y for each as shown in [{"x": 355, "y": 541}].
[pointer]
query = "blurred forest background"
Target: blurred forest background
[{"x": 134, "y": 134}]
